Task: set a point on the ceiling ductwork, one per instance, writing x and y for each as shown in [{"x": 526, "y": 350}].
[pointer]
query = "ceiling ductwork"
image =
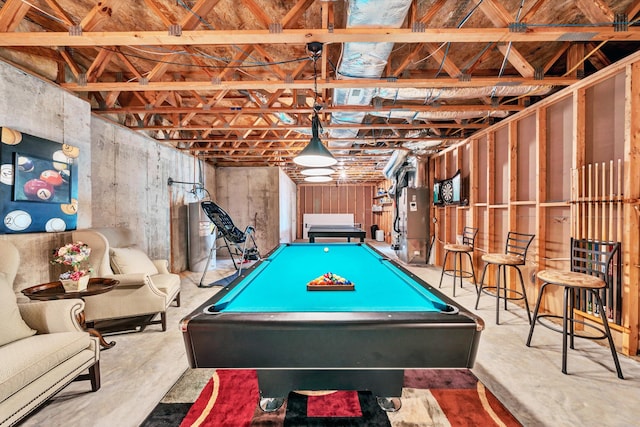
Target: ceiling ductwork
[
  {"x": 363, "y": 60},
  {"x": 438, "y": 115},
  {"x": 431, "y": 95},
  {"x": 368, "y": 60}
]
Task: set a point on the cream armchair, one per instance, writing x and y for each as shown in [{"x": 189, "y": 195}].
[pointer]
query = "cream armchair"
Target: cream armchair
[
  {"x": 42, "y": 346},
  {"x": 146, "y": 287}
]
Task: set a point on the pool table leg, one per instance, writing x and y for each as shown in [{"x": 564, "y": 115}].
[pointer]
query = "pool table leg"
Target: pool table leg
[
  {"x": 271, "y": 404},
  {"x": 385, "y": 384},
  {"x": 389, "y": 404}
]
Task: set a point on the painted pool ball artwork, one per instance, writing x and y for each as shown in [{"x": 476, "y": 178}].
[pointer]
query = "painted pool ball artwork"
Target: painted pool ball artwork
[
  {"x": 36, "y": 189},
  {"x": 42, "y": 180},
  {"x": 38, "y": 184},
  {"x": 52, "y": 177},
  {"x": 25, "y": 164}
]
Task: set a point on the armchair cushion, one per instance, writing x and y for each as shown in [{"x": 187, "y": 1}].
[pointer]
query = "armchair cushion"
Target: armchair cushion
[
  {"x": 13, "y": 326},
  {"x": 131, "y": 260},
  {"x": 26, "y": 360}
]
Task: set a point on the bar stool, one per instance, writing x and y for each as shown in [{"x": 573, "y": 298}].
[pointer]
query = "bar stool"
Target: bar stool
[
  {"x": 589, "y": 275},
  {"x": 515, "y": 255},
  {"x": 466, "y": 247}
]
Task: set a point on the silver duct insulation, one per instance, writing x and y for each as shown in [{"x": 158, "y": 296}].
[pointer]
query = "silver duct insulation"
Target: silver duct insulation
[
  {"x": 395, "y": 163},
  {"x": 437, "y": 115},
  {"x": 364, "y": 60},
  {"x": 422, "y": 145},
  {"x": 429, "y": 95},
  {"x": 368, "y": 60}
]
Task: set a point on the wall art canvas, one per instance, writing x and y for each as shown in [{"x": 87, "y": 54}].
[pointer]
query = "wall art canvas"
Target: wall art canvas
[{"x": 38, "y": 184}]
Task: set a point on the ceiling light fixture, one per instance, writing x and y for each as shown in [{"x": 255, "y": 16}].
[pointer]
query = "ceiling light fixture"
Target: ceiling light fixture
[
  {"x": 315, "y": 154},
  {"x": 317, "y": 171},
  {"x": 320, "y": 178}
]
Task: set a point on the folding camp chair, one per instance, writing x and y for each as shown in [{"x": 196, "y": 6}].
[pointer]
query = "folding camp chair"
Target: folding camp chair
[{"x": 232, "y": 236}]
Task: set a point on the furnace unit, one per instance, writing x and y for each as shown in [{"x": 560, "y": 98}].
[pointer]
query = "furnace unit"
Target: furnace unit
[{"x": 413, "y": 225}]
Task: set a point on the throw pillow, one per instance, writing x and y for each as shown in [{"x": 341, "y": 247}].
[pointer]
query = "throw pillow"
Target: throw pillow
[
  {"x": 131, "y": 260},
  {"x": 13, "y": 327}
]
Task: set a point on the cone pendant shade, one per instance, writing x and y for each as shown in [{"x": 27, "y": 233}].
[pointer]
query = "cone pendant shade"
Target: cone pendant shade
[{"x": 315, "y": 154}]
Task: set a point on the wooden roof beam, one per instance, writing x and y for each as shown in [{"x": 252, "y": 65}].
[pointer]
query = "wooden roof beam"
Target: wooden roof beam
[
  {"x": 303, "y": 36},
  {"x": 214, "y": 126},
  {"x": 160, "y": 11},
  {"x": 438, "y": 55},
  {"x": 200, "y": 9},
  {"x": 633, "y": 9},
  {"x": 433, "y": 10},
  {"x": 329, "y": 109},
  {"x": 516, "y": 59},
  {"x": 100, "y": 62},
  {"x": 258, "y": 13},
  {"x": 100, "y": 13},
  {"x": 296, "y": 12},
  {"x": 273, "y": 85},
  {"x": 596, "y": 11},
  {"x": 11, "y": 14},
  {"x": 532, "y": 11},
  {"x": 60, "y": 13}
]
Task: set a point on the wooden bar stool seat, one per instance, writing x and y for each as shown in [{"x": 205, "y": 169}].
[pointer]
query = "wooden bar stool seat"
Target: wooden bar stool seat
[
  {"x": 573, "y": 281},
  {"x": 586, "y": 285},
  {"x": 514, "y": 256},
  {"x": 458, "y": 249}
]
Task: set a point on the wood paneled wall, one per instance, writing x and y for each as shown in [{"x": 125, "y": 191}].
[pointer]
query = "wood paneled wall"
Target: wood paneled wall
[{"x": 338, "y": 199}]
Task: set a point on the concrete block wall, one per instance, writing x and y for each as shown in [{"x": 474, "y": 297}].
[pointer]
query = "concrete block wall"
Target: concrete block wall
[
  {"x": 130, "y": 188},
  {"x": 123, "y": 175},
  {"x": 251, "y": 196}
]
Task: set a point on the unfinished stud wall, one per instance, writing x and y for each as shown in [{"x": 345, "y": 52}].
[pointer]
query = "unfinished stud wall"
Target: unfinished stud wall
[{"x": 568, "y": 166}]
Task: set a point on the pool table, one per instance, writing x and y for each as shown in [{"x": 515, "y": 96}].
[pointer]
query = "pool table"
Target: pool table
[
  {"x": 347, "y": 231},
  {"x": 360, "y": 339}
]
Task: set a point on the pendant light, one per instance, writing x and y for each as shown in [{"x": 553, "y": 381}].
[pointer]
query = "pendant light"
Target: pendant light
[
  {"x": 317, "y": 171},
  {"x": 319, "y": 178},
  {"x": 315, "y": 154}
]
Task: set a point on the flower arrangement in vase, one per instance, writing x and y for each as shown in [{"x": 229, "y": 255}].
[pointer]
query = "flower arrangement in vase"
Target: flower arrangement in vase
[{"x": 75, "y": 255}]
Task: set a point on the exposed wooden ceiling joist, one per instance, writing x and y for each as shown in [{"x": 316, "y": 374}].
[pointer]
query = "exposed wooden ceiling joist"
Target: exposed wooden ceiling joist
[{"x": 237, "y": 85}]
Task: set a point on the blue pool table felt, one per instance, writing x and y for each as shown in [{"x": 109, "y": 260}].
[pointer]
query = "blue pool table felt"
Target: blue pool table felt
[{"x": 278, "y": 284}]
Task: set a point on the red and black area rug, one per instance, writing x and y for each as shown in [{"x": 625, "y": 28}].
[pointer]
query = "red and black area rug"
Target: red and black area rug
[{"x": 431, "y": 397}]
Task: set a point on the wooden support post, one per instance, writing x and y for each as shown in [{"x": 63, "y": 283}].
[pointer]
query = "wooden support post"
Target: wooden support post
[
  {"x": 590, "y": 202},
  {"x": 611, "y": 236}
]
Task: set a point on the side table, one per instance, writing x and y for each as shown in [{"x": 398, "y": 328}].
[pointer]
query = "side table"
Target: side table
[{"x": 55, "y": 290}]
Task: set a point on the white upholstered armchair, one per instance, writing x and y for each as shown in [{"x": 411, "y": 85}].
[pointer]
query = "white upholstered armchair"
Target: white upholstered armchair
[
  {"x": 42, "y": 346},
  {"x": 146, "y": 287}
]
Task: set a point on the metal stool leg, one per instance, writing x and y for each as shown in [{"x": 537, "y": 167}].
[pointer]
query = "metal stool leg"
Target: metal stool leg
[
  {"x": 484, "y": 270},
  {"x": 535, "y": 313},
  {"x": 455, "y": 273},
  {"x": 499, "y": 269},
  {"x": 605, "y": 323},
  {"x": 473, "y": 272},
  {"x": 524, "y": 294},
  {"x": 444, "y": 267},
  {"x": 568, "y": 295}
]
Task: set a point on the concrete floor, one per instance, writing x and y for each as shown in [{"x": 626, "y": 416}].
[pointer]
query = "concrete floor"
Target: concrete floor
[{"x": 142, "y": 367}]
